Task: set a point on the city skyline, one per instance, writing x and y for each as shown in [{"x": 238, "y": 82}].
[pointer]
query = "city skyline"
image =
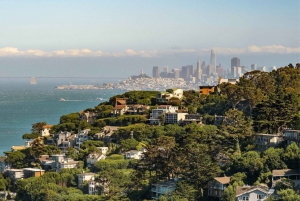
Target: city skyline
[{"x": 72, "y": 38}]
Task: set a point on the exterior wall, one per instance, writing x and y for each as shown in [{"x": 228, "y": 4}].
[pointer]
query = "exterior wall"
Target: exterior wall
[
  {"x": 265, "y": 141},
  {"x": 85, "y": 177},
  {"x": 255, "y": 195},
  {"x": 174, "y": 118},
  {"x": 292, "y": 136},
  {"x": 206, "y": 90},
  {"x": 216, "y": 189},
  {"x": 162, "y": 189}
]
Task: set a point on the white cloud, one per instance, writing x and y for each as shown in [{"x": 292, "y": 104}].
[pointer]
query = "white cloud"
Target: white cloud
[{"x": 274, "y": 49}]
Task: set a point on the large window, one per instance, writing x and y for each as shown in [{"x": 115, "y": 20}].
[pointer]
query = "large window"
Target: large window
[{"x": 260, "y": 196}]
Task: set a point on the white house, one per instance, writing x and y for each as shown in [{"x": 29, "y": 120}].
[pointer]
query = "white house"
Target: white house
[
  {"x": 175, "y": 117},
  {"x": 46, "y": 130},
  {"x": 134, "y": 154},
  {"x": 252, "y": 193},
  {"x": 92, "y": 158},
  {"x": 159, "y": 111},
  {"x": 85, "y": 177},
  {"x": 265, "y": 141},
  {"x": 162, "y": 97}
]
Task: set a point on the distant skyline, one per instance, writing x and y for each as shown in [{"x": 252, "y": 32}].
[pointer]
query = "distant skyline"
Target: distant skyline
[{"x": 72, "y": 38}]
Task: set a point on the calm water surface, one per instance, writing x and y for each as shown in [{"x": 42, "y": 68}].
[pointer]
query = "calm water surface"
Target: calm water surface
[{"x": 22, "y": 104}]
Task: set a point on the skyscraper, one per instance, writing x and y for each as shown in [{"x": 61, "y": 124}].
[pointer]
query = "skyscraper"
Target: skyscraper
[
  {"x": 155, "y": 72},
  {"x": 253, "y": 67},
  {"x": 199, "y": 71},
  {"x": 213, "y": 61},
  {"x": 235, "y": 62},
  {"x": 176, "y": 73}
]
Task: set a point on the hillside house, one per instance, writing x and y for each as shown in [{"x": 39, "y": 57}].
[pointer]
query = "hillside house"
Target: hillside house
[
  {"x": 162, "y": 188},
  {"x": 87, "y": 116},
  {"x": 85, "y": 177},
  {"x": 175, "y": 117},
  {"x": 217, "y": 186},
  {"x": 253, "y": 193},
  {"x": 165, "y": 96},
  {"x": 92, "y": 158},
  {"x": 46, "y": 130},
  {"x": 265, "y": 141},
  {"x": 156, "y": 114},
  {"x": 291, "y": 136}
]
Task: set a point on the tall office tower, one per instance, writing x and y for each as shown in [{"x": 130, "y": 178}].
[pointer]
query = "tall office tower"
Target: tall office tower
[
  {"x": 176, "y": 73},
  {"x": 208, "y": 70},
  {"x": 220, "y": 72},
  {"x": 165, "y": 69},
  {"x": 199, "y": 70},
  {"x": 191, "y": 70},
  {"x": 234, "y": 72},
  {"x": 253, "y": 67},
  {"x": 155, "y": 72},
  {"x": 185, "y": 74},
  {"x": 164, "y": 74},
  {"x": 264, "y": 69},
  {"x": 239, "y": 71},
  {"x": 213, "y": 61},
  {"x": 203, "y": 66},
  {"x": 235, "y": 62}
]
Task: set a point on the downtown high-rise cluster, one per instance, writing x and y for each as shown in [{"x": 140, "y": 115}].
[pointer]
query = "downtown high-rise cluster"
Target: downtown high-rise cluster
[{"x": 207, "y": 73}]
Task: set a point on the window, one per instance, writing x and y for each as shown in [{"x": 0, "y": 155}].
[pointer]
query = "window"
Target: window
[
  {"x": 260, "y": 196},
  {"x": 245, "y": 198}
]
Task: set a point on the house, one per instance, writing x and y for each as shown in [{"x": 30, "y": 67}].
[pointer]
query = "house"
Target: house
[
  {"x": 134, "y": 154},
  {"x": 206, "y": 90},
  {"x": 174, "y": 117},
  {"x": 15, "y": 174},
  {"x": 67, "y": 163},
  {"x": 156, "y": 114},
  {"x": 137, "y": 109},
  {"x": 85, "y": 177},
  {"x": 189, "y": 118},
  {"x": 120, "y": 107},
  {"x": 32, "y": 172},
  {"x": 252, "y": 193},
  {"x": 57, "y": 162},
  {"x": 218, "y": 120},
  {"x": 265, "y": 141},
  {"x": 45, "y": 131},
  {"x": 81, "y": 137},
  {"x": 106, "y": 132},
  {"x": 231, "y": 81},
  {"x": 93, "y": 187},
  {"x": 63, "y": 140},
  {"x": 291, "y": 136},
  {"x": 87, "y": 116},
  {"x": 162, "y": 188},
  {"x": 292, "y": 174},
  {"x": 217, "y": 186},
  {"x": 17, "y": 148},
  {"x": 165, "y": 96},
  {"x": 92, "y": 158},
  {"x": 103, "y": 150}
]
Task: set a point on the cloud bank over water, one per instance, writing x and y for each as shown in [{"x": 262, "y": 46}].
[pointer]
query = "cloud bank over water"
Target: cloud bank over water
[{"x": 273, "y": 49}]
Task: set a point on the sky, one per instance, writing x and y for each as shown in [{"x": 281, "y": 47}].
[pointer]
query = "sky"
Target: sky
[{"x": 120, "y": 38}]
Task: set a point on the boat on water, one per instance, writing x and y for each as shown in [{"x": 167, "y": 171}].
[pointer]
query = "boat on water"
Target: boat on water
[
  {"x": 62, "y": 99},
  {"x": 99, "y": 98}
]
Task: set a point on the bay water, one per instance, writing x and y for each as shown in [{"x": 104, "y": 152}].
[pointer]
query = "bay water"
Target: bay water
[{"x": 22, "y": 105}]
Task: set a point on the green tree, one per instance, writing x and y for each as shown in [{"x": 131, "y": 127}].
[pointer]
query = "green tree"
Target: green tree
[
  {"x": 129, "y": 144},
  {"x": 37, "y": 127},
  {"x": 16, "y": 159},
  {"x": 288, "y": 195}
]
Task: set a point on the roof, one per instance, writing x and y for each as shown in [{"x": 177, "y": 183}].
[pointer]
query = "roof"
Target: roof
[
  {"x": 240, "y": 190},
  {"x": 285, "y": 172},
  {"x": 223, "y": 180},
  {"x": 18, "y": 147},
  {"x": 34, "y": 169},
  {"x": 48, "y": 126}
]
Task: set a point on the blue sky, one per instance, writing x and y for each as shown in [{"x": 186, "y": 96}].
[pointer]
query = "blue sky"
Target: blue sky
[{"x": 136, "y": 35}]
